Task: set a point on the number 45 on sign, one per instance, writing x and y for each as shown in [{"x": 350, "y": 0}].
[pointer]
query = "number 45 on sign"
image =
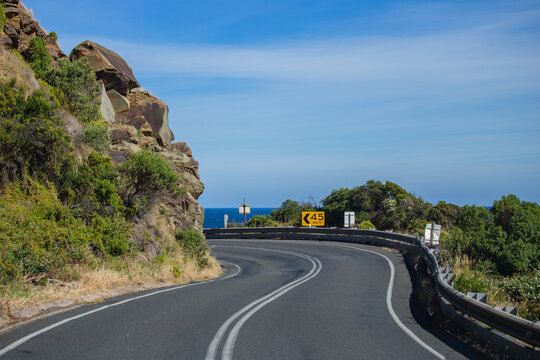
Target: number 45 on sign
[{"x": 313, "y": 218}]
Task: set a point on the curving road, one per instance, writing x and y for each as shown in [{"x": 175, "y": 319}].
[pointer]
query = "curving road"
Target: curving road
[{"x": 277, "y": 300}]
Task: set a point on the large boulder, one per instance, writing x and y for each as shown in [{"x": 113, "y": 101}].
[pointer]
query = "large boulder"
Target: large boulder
[
  {"x": 108, "y": 65},
  {"x": 147, "y": 109}
]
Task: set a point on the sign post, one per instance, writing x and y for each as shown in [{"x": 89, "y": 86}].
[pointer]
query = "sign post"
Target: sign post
[
  {"x": 349, "y": 219},
  {"x": 312, "y": 218},
  {"x": 244, "y": 209},
  {"x": 225, "y": 219}
]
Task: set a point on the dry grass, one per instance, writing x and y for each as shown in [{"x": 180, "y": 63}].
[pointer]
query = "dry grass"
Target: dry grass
[
  {"x": 118, "y": 274},
  {"x": 13, "y": 66}
]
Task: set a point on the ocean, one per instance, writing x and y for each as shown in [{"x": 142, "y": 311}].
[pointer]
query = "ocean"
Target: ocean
[{"x": 213, "y": 217}]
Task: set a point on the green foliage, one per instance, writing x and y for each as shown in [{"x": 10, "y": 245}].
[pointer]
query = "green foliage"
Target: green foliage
[
  {"x": 110, "y": 236},
  {"x": 289, "y": 213},
  {"x": 470, "y": 281},
  {"x": 38, "y": 236},
  {"x": 32, "y": 140},
  {"x": 77, "y": 81},
  {"x": 386, "y": 205},
  {"x": 39, "y": 57},
  {"x": 96, "y": 135},
  {"x": 53, "y": 36},
  {"x": 91, "y": 188},
  {"x": 3, "y": 17},
  {"x": 146, "y": 174},
  {"x": 508, "y": 236},
  {"x": 194, "y": 246},
  {"x": 366, "y": 224},
  {"x": 262, "y": 221}
]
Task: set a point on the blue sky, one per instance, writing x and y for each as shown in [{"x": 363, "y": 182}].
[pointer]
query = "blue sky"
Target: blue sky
[{"x": 292, "y": 99}]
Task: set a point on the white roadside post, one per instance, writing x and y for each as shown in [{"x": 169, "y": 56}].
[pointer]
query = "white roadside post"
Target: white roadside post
[
  {"x": 432, "y": 233},
  {"x": 225, "y": 220},
  {"x": 349, "y": 219}
]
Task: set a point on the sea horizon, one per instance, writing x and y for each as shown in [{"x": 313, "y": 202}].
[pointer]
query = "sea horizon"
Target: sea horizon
[{"x": 214, "y": 217}]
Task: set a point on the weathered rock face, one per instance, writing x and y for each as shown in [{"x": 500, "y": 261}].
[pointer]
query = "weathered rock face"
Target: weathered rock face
[
  {"x": 154, "y": 112},
  {"x": 106, "y": 107},
  {"x": 21, "y": 27},
  {"x": 108, "y": 65}
]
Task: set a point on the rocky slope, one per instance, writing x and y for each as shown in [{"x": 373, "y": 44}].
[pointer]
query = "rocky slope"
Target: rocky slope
[{"x": 135, "y": 119}]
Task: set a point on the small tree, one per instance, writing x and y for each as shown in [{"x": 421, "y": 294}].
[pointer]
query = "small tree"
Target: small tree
[
  {"x": 144, "y": 174},
  {"x": 78, "y": 83},
  {"x": 39, "y": 56}
]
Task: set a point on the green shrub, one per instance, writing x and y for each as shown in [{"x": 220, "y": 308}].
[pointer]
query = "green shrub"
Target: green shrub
[
  {"x": 110, "y": 236},
  {"x": 3, "y": 17},
  {"x": 53, "y": 36},
  {"x": 366, "y": 224},
  {"x": 79, "y": 86},
  {"x": 39, "y": 58},
  {"x": 96, "y": 135},
  {"x": 91, "y": 188},
  {"x": 290, "y": 212},
  {"x": 194, "y": 246},
  {"x": 38, "y": 235},
  {"x": 32, "y": 140},
  {"x": 146, "y": 174},
  {"x": 262, "y": 221}
]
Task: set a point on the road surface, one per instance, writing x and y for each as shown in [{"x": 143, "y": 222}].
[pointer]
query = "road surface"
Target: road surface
[{"x": 277, "y": 300}]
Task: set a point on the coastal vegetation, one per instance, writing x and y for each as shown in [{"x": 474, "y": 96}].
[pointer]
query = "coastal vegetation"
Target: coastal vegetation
[{"x": 491, "y": 249}]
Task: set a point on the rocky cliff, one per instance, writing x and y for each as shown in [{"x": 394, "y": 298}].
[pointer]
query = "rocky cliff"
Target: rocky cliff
[{"x": 135, "y": 120}]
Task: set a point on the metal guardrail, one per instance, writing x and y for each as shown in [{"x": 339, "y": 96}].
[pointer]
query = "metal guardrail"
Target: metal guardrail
[{"x": 519, "y": 328}]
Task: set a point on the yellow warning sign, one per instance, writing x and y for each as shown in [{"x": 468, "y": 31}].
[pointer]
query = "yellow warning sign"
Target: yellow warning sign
[{"x": 313, "y": 218}]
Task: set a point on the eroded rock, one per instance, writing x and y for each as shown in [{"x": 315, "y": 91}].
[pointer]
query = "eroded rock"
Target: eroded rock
[
  {"x": 119, "y": 102},
  {"x": 154, "y": 111},
  {"x": 106, "y": 107},
  {"x": 108, "y": 65}
]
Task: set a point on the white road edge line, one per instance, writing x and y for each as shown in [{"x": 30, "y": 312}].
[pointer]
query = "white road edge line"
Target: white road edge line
[
  {"x": 389, "y": 303},
  {"x": 24, "y": 339},
  {"x": 256, "y": 305}
]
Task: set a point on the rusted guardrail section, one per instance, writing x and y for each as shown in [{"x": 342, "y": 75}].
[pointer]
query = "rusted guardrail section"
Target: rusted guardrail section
[{"x": 472, "y": 314}]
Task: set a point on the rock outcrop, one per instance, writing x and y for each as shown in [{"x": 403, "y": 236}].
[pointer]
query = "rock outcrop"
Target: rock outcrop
[
  {"x": 142, "y": 122},
  {"x": 147, "y": 110},
  {"x": 108, "y": 65},
  {"x": 21, "y": 27}
]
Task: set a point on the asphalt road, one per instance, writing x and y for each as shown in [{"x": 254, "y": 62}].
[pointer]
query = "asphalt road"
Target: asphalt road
[{"x": 277, "y": 300}]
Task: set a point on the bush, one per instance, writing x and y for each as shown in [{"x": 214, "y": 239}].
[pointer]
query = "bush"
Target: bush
[
  {"x": 91, "y": 188},
  {"x": 145, "y": 174},
  {"x": 96, "y": 135},
  {"x": 194, "y": 246},
  {"x": 110, "y": 236},
  {"x": 366, "y": 224},
  {"x": 262, "y": 221},
  {"x": 39, "y": 57},
  {"x": 38, "y": 235},
  {"x": 53, "y": 36},
  {"x": 32, "y": 140},
  {"x": 79, "y": 86}
]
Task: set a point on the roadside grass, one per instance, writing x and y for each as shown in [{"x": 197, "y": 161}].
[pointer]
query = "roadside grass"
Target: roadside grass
[
  {"x": 173, "y": 269},
  {"x": 471, "y": 278}
]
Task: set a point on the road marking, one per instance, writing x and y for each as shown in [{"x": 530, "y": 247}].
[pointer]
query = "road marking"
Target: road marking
[
  {"x": 24, "y": 339},
  {"x": 250, "y": 309},
  {"x": 389, "y": 303}
]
